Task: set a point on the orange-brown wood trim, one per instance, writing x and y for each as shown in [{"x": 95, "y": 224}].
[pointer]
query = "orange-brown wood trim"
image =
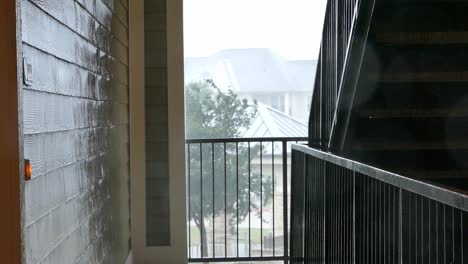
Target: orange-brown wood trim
[{"x": 10, "y": 136}]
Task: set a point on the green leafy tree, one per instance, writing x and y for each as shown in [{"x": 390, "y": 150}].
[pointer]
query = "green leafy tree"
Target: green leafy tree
[
  {"x": 225, "y": 168},
  {"x": 211, "y": 113}
]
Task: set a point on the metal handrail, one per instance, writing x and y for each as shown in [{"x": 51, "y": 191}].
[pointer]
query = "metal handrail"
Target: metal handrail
[
  {"x": 455, "y": 199},
  {"x": 241, "y": 140}
]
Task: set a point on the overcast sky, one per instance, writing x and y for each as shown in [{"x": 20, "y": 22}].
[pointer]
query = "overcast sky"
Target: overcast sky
[{"x": 293, "y": 28}]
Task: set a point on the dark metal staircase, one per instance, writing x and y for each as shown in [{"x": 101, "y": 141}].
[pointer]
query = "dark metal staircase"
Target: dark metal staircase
[
  {"x": 410, "y": 112},
  {"x": 396, "y": 96}
]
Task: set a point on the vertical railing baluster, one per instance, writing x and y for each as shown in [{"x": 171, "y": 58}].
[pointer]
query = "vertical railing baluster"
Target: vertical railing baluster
[
  {"x": 250, "y": 239},
  {"x": 389, "y": 224},
  {"x": 353, "y": 232},
  {"x": 318, "y": 212},
  {"x": 430, "y": 231},
  {"x": 366, "y": 222},
  {"x": 189, "y": 203},
  {"x": 410, "y": 222},
  {"x": 393, "y": 229},
  {"x": 452, "y": 234},
  {"x": 343, "y": 181},
  {"x": 361, "y": 232},
  {"x": 331, "y": 212},
  {"x": 348, "y": 216},
  {"x": 273, "y": 192},
  {"x": 377, "y": 241},
  {"x": 422, "y": 243},
  {"x": 369, "y": 252},
  {"x": 437, "y": 233},
  {"x": 306, "y": 225},
  {"x": 321, "y": 195},
  {"x": 400, "y": 225},
  {"x": 397, "y": 224},
  {"x": 311, "y": 165},
  {"x": 340, "y": 214},
  {"x": 358, "y": 210},
  {"x": 445, "y": 233},
  {"x": 457, "y": 239},
  {"x": 237, "y": 197},
  {"x": 339, "y": 227},
  {"x": 416, "y": 229},
  {"x": 213, "y": 196},
  {"x": 261, "y": 199},
  {"x": 225, "y": 201},
  {"x": 393, "y": 216},
  {"x": 305, "y": 200},
  {"x": 325, "y": 217},
  {"x": 309, "y": 207},
  {"x": 372, "y": 221},
  {"x": 345, "y": 215},
  {"x": 380, "y": 223},
  {"x": 285, "y": 200},
  {"x": 367, "y": 226},
  {"x": 334, "y": 227},
  {"x": 202, "y": 225},
  {"x": 294, "y": 215},
  {"x": 463, "y": 236}
]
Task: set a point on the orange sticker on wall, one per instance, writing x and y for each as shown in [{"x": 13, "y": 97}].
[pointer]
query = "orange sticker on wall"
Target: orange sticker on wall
[{"x": 27, "y": 170}]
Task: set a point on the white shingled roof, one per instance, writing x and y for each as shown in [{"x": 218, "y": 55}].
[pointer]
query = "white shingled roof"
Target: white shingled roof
[{"x": 252, "y": 70}]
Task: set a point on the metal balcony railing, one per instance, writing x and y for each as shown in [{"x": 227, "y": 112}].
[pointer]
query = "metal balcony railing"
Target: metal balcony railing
[
  {"x": 348, "y": 212},
  {"x": 238, "y": 199}
]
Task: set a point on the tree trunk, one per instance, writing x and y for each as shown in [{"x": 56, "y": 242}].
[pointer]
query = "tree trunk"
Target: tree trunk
[{"x": 204, "y": 242}]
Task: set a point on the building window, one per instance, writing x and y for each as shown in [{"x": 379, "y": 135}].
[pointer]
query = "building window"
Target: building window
[{"x": 273, "y": 101}]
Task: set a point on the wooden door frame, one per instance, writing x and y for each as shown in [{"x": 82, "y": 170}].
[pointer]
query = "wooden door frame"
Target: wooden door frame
[{"x": 11, "y": 134}]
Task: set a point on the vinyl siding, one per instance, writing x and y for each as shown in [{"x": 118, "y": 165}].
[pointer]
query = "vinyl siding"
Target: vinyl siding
[{"x": 76, "y": 130}]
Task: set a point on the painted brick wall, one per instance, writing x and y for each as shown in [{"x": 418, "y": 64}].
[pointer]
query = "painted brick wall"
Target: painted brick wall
[
  {"x": 157, "y": 163},
  {"x": 76, "y": 130}
]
